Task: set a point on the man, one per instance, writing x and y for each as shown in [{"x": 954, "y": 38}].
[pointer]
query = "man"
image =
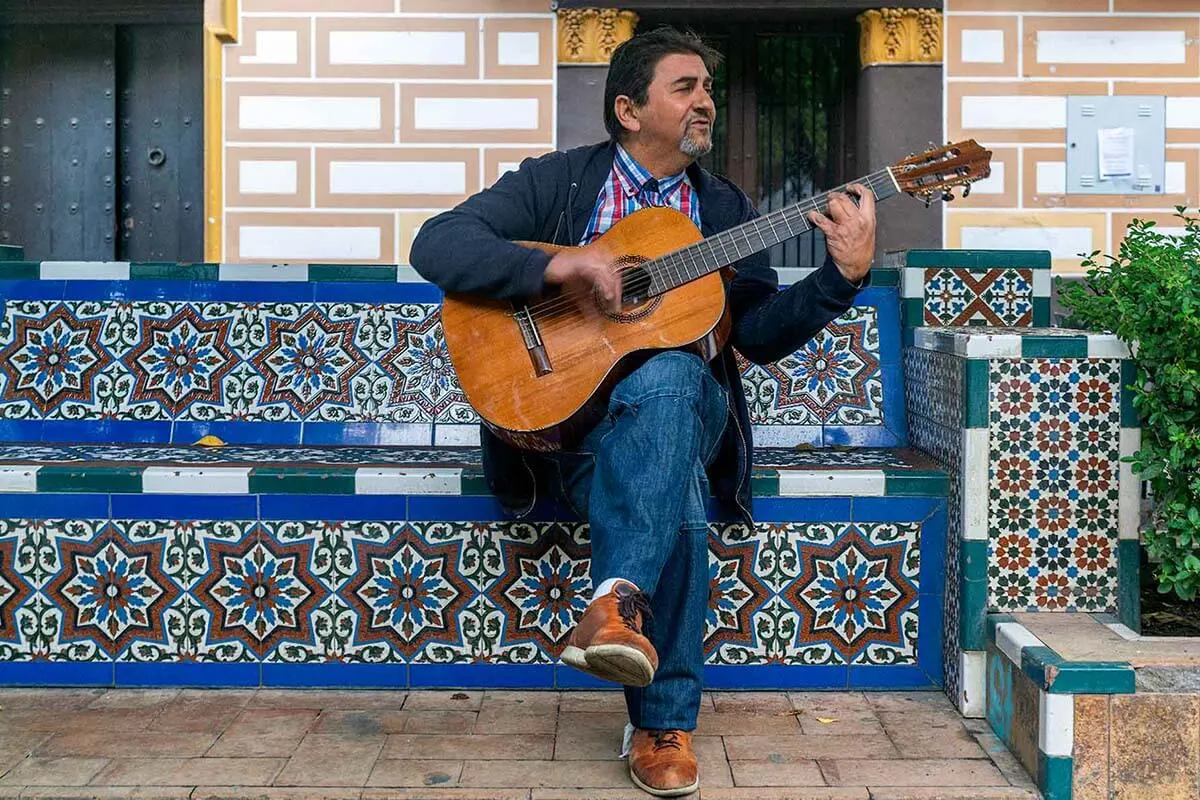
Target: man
[{"x": 642, "y": 477}]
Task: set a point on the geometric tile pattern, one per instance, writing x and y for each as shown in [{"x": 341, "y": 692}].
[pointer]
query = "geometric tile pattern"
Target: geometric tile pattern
[
  {"x": 1053, "y": 484},
  {"x": 997, "y": 297},
  {"x": 426, "y": 592}
]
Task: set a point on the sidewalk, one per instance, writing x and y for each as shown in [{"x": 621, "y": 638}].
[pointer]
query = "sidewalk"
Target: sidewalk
[{"x": 77, "y": 743}]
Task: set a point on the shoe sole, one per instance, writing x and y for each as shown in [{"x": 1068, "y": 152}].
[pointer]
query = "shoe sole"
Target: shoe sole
[
  {"x": 611, "y": 662},
  {"x": 663, "y": 792}
]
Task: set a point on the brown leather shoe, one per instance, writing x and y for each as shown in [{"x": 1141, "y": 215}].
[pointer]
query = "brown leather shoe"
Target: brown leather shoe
[
  {"x": 663, "y": 764},
  {"x": 608, "y": 641}
]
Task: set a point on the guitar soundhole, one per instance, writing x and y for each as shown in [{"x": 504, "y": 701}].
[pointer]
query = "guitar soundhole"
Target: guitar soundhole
[{"x": 636, "y": 302}]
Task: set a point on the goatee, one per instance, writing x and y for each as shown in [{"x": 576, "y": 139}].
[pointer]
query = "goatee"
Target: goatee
[{"x": 695, "y": 146}]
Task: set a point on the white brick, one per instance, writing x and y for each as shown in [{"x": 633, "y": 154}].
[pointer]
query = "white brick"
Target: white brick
[
  {"x": 993, "y": 183},
  {"x": 475, "y": 113},
  {"x": 1175, "y": 179},
  {"x": 914, "y": 282},
  {"x": 973, "y": 679},
  {"x": 282, "y": 113},
  {"x": 1129, "y": 487},
  {"x": 990, "y": 345},
  {"x": 196, "y": 480},
  {"x": 85, "y": 270},
  {"x": 303, "y": 243},
  {"x": 456, "y": 435},
  {"x": 844, "y": 482},
  {"x": 1051, "y": 177},
  {"x": 975, "y": 484},
  {"x": 1024, "y": 112},
  {"x": 267, "y": 177},
  {"x": 1056, "y": 723},
  {"x": 398, "y": 48},
  {"x": 1012, "y": 638},
  {"x": 1106, "y": 345},
  {"x": 519, "y": 49},
  {"x": 1041, "y": 283},
  {"x": 262, "y": 272},
  {"x": 274, "y": 47},
  {"x": 508, "y": 166},
  {"x": 398, "y": 177},
  {"x": 982, "y": 46},
  {"x": 18, "y": 479},
  {"x": 432, "y": 480},
  {"x": 1111, "y": 47},
  {"x": 1061, "y": 242},
  {"x": 1183, "y": 112}
]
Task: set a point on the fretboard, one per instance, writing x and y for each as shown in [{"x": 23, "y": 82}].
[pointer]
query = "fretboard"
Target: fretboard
[{"x": 725, "y": 248}]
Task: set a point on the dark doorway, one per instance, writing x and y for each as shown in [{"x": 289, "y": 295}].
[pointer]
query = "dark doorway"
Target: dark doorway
[
  {"x": 785, "y": 96},
  {"x": 101, "y": 141}
]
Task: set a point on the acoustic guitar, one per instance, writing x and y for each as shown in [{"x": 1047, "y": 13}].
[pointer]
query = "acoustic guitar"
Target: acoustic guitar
[{"x": 539, "y": 372}]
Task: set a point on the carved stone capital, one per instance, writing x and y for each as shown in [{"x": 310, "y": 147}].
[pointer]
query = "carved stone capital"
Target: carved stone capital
[
  {"x": 589, "y": 35},
  {"x": 900, "y": 36}
]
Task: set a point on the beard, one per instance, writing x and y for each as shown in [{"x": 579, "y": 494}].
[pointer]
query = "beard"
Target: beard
[{"x": 694, "y": 143}]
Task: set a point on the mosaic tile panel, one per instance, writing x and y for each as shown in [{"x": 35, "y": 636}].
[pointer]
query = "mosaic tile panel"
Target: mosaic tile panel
[
  {"x": 833, "y": 380},
  {"x": 271, "y": 362},
  {"x": 933, "y": 384},
  {"x": 157, "y": 591},
  {"x": 1053, "y": 484},
  {"x": 997, "y": 297}
]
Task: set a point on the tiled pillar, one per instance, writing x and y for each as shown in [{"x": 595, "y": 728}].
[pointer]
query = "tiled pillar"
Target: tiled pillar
[
  {"x": 586, "y": 40},
  {"x": 1032, "y": 424},
  {"x": 900, "y": 92}
]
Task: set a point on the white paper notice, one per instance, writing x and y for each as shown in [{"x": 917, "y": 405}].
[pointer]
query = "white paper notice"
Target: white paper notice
[{"x": 1116, "y": 152}]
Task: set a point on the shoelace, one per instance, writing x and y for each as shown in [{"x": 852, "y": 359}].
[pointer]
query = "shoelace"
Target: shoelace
[
  {"x": 665, "y": 739},
  {"x": 630, "y": 604}
]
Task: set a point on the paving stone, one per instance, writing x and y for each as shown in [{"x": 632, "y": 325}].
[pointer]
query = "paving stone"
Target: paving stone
[
  {"x": 953, "y": 793},
  {"x": 321, "y": 699},
  {"x": 103, "y": 744},
  {"x": 581, "y": 774},
  {"x": 600, "y": 720},
  {"x": 1004, "y": 760},
  {"x": 265, "y": 733},
  {"x": 134, "y": 698},
  {"x": 528, "y": 701},
  {"x": 1089, "y": 774},
  {"x": 849, "y": 723},
  {"x": 751, "y": 702},
  {"x": 446, "y": 794},
  {"x": 65, "y": 771},
  {"x": 195, "y": 717},
  {"x": 189, "y": 771},
  {"x": 233, "y": 697},
  {"x": 326, "y": 759},
  {"x": 932, "y": 718},
  {"x": 276, "y": 793},
  {"x": 804, "y": 747},
  {"x": 766, "y": 773},
  {"x": 360, "y": 723},
  {"x": 912, "y": 772},
  {"x": 47, "y": 699},
  {"x": 921, "y": 741},
  {"x": 516, "y": 719},
  {"x": 710, "y": 755},
  {"x": 785, "y": 793},
  {"x": 396, "y": 772},
  {"x": 587, "y": 744},
  {"x": 909, "y": 701},
  {"x": 443, "y": 701},
  {"x": 1154, "y": 748},
  {"x": 718, "y": 724},
  {"x": 109, "y": 793},
  {"x": 592, "y": 701},
  {"x": 423, "y": 721},
  {"x": 476, "y": 747},
  {"x": 632, "y": 793},
  {"x": 49, "y": 720}
]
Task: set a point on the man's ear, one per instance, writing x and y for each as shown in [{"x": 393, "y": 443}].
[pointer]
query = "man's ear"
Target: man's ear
[{"x": 627, "y": 113}]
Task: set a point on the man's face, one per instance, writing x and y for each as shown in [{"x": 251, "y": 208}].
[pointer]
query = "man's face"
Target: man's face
[{"x": 679, "y": 109}]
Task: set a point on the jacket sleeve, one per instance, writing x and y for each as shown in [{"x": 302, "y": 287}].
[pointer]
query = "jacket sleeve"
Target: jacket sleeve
[
  {"x": 469, "y": 249},
  {"x": 770, "y": 324}
]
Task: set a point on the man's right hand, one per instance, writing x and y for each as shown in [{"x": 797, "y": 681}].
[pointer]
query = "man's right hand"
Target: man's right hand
[{"x": 584, "y": 272}]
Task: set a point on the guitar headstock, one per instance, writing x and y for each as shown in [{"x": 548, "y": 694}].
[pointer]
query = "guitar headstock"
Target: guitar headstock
[{"x": 939, "y": 169}]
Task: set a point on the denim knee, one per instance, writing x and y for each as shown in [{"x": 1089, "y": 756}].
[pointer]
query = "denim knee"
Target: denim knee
[{"x": 673, "y": 373}]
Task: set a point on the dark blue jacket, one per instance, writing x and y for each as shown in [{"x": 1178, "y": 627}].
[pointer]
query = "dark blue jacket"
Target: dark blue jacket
[{"x": 549, "y": 199}]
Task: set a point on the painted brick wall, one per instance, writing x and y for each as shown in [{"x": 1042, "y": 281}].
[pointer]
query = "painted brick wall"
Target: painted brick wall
[
  {"x": 347, "y": 124},
  {"x": 1010, "y": 65}
]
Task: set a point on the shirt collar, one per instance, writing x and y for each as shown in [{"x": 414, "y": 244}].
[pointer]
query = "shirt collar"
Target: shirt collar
[{"x": 633, "y": 176}]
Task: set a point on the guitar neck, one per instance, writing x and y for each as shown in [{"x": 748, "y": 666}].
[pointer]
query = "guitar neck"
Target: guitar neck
[{"x": 762, "y": 233}]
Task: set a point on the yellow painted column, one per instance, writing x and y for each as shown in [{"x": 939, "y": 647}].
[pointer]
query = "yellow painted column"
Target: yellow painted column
[{"x": 220, "y": 28}]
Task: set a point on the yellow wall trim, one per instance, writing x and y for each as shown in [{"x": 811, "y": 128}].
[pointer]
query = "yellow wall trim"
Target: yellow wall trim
[
  {"x": 221, "y": 30},
  {"x": 589, "y": 35}
]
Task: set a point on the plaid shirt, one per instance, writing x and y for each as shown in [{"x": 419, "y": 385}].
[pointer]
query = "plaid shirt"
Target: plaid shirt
[{"x": 630, "y": 187}]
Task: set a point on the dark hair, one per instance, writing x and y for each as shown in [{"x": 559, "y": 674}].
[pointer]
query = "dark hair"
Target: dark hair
[{"x": 631, "y": 69}]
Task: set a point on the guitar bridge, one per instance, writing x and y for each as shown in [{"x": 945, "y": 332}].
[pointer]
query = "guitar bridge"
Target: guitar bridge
[{"x": 533, "y": 342}]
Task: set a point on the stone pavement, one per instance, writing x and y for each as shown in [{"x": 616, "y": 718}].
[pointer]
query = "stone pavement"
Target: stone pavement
[{"x": 77, "y": 743}]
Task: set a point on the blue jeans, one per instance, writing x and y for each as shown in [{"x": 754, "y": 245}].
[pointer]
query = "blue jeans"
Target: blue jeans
[{"x": 639, "y": 480}]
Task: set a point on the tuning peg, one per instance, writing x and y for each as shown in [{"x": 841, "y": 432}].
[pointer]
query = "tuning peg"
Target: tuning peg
[
  {"x": 928, "y": 201},
  {"x": 947, "y": 195},
  {"x": 967, "y": 190}
]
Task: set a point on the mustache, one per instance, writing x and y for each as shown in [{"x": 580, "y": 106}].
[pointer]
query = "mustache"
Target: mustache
[{"x": 701, "y": 118}]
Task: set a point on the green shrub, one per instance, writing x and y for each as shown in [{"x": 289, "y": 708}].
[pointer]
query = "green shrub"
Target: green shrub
[{"x": 1149, "y": 296}]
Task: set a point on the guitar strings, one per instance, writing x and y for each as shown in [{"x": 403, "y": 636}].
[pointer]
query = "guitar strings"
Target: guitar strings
[{"x": 674, "y": 261}]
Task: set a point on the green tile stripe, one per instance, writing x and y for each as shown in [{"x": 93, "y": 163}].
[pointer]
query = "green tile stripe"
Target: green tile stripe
[
  {"x": 173, "y": 272},
  {"x": 20, "y": 270},
  {"x": 302, "y": 480},
  {"x": 975, "y": 393},
  {"x": 912, "y": 312},
  {"x": 973, "y": 559},
  {"x": 474, "y": 483},
  {"x": 908, "y": 336},
  {"x": 11, "y": 252},
  {"x": 1054, "y": 776},
  {"x": 885, "y": 276},
  {"x": 1051, "y": 672},
  {"x": 115, "y": 479},
  {"x": 972, "y": 620},
  {"x": 1054, "y": 347},
  {"x": 993, "y": 621},
  {"x": 382, "y": 273},
  {"x": 983, "y": 259},
  {"x": 1129, "y": 414},
  {"x": 915, "y": 483},
  {"x": 1041, "y": 312},
  {"x": 1129, "y": 594},
  {"x": 764, "y": 483}
]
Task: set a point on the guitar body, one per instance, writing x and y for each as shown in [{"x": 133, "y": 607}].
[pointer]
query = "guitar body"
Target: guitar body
[{"x": 548, "y": 399}]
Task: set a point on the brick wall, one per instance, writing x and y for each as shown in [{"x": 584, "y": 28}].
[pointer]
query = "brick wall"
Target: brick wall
[
  {"x": 1010, "y": 65},
  {"x": 348, "y": 123}
]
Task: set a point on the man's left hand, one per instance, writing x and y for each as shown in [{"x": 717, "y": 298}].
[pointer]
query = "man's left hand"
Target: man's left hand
[{"x": 849, "y": 231}]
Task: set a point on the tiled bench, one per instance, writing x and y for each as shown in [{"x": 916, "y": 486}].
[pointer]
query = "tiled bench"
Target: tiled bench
[{"x": 339, "y": 531}]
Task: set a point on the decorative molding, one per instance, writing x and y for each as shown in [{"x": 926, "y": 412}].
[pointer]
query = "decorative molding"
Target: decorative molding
[
  {"x": 589, "y": 35},
  {"x": 900, "y": 36}
]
